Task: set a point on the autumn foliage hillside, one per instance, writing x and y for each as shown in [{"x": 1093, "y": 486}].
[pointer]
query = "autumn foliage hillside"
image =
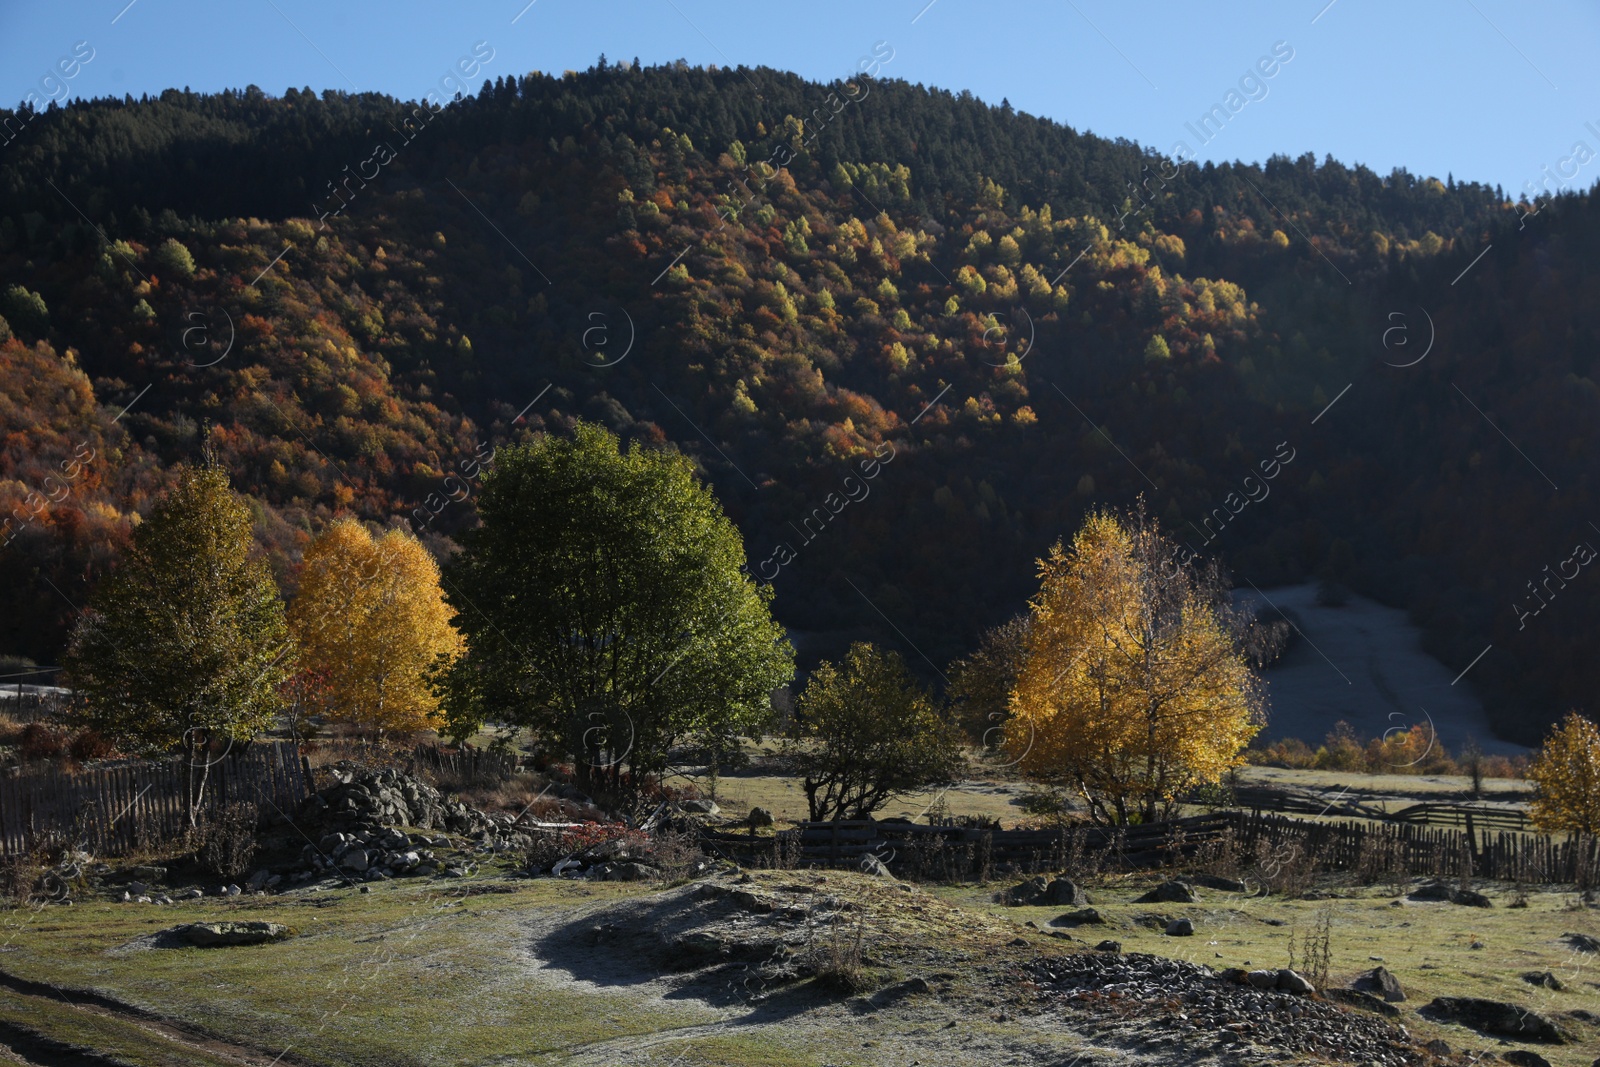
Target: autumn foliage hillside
[{"x": 910, "y": 337}]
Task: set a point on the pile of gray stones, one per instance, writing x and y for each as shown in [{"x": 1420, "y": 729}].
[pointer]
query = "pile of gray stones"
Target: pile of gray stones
[
  {"x": 1208, "y": 1011},
  {"x": 351, "y": 832}
]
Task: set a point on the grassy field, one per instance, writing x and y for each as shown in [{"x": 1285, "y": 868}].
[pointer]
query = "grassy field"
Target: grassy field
[
  {"x": 1435, "y": 949},
  {"x": 504, "y": 971},
  {"x": 472, "y": 972},
  {"x": 997, "y": 797}
]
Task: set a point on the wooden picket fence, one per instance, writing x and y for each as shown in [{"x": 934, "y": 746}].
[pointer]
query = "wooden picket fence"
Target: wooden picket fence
[
  {"x": 477, "y": 765},
  {"x": 111, "y": 809},
  {"x": 955, "y": 852}
]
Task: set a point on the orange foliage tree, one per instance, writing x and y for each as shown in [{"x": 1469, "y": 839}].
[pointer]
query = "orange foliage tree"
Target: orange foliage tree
[{"x": 372, "y": 621}]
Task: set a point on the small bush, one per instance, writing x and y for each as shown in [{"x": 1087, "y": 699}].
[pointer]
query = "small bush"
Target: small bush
[
  {"x": 40, "y": 741},
  {"x": 226, "y": 841},
  {"x": 90, "y": 745}
]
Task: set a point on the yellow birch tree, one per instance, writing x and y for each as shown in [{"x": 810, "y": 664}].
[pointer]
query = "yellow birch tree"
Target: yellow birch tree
[
  {"x": 1135, "y": 686},
  {"x": 371, "y": 617},
  {"x": 1566, "y": 776}
]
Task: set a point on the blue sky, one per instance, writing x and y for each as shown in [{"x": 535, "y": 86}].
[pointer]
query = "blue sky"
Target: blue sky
[{"x": 1490, "y": 90}]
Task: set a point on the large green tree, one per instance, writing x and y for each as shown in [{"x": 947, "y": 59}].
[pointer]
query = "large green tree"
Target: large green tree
[
  {"x": 185, "y": 644},
  {"x": 605, "y": 603}
]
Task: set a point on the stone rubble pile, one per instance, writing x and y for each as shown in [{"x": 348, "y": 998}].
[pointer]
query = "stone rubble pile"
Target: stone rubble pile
[{"x": 1202, "y": 1009}]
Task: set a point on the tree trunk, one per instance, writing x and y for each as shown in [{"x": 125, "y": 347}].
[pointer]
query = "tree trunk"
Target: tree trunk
[{"x": 197, "y": 789}]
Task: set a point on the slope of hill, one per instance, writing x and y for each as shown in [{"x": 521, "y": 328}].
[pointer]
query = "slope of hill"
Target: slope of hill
[{"x": 910, "y": 337}]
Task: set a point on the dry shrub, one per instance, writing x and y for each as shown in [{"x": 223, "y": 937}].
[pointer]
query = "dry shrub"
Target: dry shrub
[
  {"x": 226, "y": 841},
  {"x": 677, "y": 854},
  {"x": 1288, "y": 868},
  {"x": 1221, "y": 856},
  {"x": 1316, "y": 951},
  {"x": 836, "y": 960},
  {"x": 552, "y": 846},
  {"x": 19, "y": 877}
]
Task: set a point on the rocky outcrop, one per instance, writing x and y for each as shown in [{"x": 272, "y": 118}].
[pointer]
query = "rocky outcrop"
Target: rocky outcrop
[
  {"x": 1469, "y": 898},
  {"x": 1173, "y": 892},
  {"x": 1496, "y": 1017},
  {"x": 1042, "y": 892},
  {"x": 1380, "y": 983},
  {"x": 211, "y": 935}
]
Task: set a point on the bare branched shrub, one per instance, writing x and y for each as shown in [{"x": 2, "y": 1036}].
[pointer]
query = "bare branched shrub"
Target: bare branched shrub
[
  {"x": 1288, "y": 868},
  {"x": 786, "y": 851},
  {"x": 1383, "y": 861},
  {"x": 1220, "y": 856},
  {"x": 836, "y": 959},
  {"x": 677, "y": 854},
  {"x": 19, "y": 878},
  {"x": 225, "y": 841},
  {"x": 1316, "y": 951}
]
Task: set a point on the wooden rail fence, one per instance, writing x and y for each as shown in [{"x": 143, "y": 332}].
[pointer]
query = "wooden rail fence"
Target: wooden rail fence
[
  {"x": 112, "y": 809},
  {"x": 1429, "y": 813},
  {"x": 1259, "y": 839}
]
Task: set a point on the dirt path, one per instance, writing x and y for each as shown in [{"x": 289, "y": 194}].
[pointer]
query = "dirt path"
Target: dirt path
[{"x": 63, "y": 1014}]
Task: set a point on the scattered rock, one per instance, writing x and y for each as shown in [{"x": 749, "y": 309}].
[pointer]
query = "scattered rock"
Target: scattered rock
[
  {"x": 628, "y": 872},
  {"x": 1173, "y": 892},
  {"x": 1453, "y": 894},
  {"x": 259, "y": 879},
  {"x": 759, "y": 817},
  {"x": 874, "y": 866},
  {"x": 1543, "y": 978},
  {"x": 1081, "y": 917},
  {"x": 1216, "y": 881},
  {"x": 1109, "y": 946},
  {"x": 1582, "y": 942},
  {"x": 1366, "y": 1001},
  {"x": 1180, "y": 928},
  {"x": 1262, "y": 979},
  {"x": 232, "y": 933},
  {"x": 1291, "y": 982},
  {"x": 1438, "y": 1047},
  {"x": 1522, "y": 1057},
  {"x": 1040, "y": 892},
  {"x": 1184, "y": 1008},
  {"x": 1495, "y": 1017},
  {"x": 1380, "y": 982},
  {"x": 355, "y": 860},
  {"x": 700, "y": 807}
]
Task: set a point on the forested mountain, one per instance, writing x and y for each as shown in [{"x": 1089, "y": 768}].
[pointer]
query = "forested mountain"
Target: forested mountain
[{"x": 910, "y": 337}]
